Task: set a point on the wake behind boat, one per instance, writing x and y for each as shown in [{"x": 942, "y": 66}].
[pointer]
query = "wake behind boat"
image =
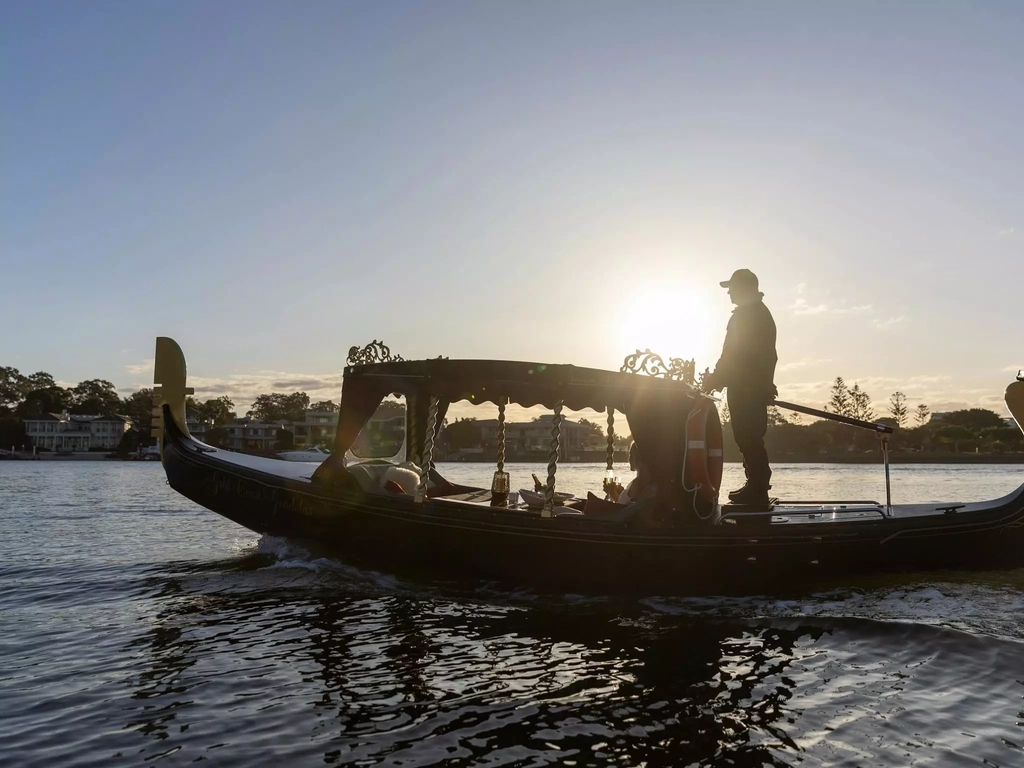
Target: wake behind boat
[{"x": 401, "y": 513}]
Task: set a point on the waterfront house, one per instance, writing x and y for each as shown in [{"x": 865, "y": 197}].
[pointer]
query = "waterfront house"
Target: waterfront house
[
  {"x": 197, "y": 426},
  {"x": 315, "y": 428},
  {"x": 533, "y": 436},
  {"x": 64, "y": 432},
  {"x": 249, "y": 435}
]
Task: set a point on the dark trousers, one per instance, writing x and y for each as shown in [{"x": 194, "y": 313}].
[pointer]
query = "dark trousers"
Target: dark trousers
[{"x": 749, "y": 414}]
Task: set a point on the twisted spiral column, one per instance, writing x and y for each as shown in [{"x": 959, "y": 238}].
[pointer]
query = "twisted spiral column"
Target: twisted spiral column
[
  {"x": 553, "y": 451},
  {"x": 501, "y": 436},
  {"x": 428, "y": 450},
  {"x": 499, "y": 485},
  {"x": 610, "y": 451}
]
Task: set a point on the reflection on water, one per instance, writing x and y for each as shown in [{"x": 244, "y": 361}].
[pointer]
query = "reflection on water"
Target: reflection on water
[
  {"x": 443, "y": 676},
  {"x": 140, "y": 629}
]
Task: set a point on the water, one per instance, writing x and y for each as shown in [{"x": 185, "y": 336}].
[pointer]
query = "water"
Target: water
[{"x": 139, "y": 629}]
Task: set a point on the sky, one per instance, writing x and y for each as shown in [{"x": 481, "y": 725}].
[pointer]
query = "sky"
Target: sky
[{"x": 271, "y": 183}]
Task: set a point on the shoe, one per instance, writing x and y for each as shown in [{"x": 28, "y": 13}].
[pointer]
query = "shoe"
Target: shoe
[
  {"x": 750, "y": 497},
  {"x": 739, "y": 491}
]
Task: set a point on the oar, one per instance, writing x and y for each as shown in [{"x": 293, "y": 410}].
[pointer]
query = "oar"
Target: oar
[{"x": 872, "y": 425}]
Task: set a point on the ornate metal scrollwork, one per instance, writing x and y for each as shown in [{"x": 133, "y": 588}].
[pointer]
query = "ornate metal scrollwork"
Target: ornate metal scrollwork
[
  {"x": 374, "y": 352},
  {"x": 647, "y": 362}
]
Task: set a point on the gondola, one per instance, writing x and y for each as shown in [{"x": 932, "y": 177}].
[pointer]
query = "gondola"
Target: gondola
[{"x": 402, "y": 515}]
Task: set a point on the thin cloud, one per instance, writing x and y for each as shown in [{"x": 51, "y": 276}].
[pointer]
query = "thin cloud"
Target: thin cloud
[
  {"x": 884, "y": 325},
  {"x": 518, "y": 413},
  {"x": 801, "y": 307},
  {"x": 802, "y": 363},
  {"x": 860, "y": 309},
  {"x": 1005, "y": 232},
  {"x": 244, "y": 388},
  {"x": 306, "y": 383},
  {"x": 146, "y": 366}
]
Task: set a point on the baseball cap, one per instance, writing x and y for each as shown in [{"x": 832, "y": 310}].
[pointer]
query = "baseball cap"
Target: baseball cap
[{"x": 741, "y": 277}]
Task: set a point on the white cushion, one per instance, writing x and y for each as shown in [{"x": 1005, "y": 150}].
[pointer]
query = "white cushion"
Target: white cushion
[{"x": 406, "y": 478}]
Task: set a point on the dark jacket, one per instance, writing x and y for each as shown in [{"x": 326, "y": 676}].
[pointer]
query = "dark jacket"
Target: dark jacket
[{"x": 747, "y": 364}]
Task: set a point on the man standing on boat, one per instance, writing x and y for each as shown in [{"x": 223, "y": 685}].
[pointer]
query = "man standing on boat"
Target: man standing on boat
[{"x": 747, "y": 370}]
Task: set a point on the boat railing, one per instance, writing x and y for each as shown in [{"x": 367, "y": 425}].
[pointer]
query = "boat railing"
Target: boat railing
[
  {"x": 884, "y": 432},
  {"x": 822, "y": 502}
]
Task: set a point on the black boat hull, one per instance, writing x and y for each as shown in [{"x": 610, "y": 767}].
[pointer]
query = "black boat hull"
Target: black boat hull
[{"x": 396, "y": 533}]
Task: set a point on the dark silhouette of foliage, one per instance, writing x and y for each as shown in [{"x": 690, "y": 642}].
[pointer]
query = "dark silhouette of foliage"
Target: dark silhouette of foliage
[
  {"x": 216, "y": 411},
  {"x": 839, "y": 401},
  {"x": 388, "y": 409},
  {"x": 325, "y": 406},
  {"x": 898, "y": 408},
  {"x": 138, "y": 407},
  {"x": 463, "y": 433},
  {"x": 95, "y": 396},
  {"x": 860, "y": 404},
  {"x": 277, "y": 407},
  {"x": 48, "y": 400},
  {"x": 973, "y": 418},
  {"x": 12, "y": 387},
  {"x": 921, "y": 414},
  {"x": 955, "y": 434}
]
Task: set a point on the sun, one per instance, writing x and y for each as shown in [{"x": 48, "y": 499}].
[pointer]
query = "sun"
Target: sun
[{"x": 673, "y": 323}]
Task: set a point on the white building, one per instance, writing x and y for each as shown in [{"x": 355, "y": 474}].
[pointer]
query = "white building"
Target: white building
[
  {"x": 315, "y": 428},
  {"x": 536, "y": 435},
  {"x": 61, "y": 432},
  {"x": 197, "y": 427},
  {"x": 248, "y": 434}
]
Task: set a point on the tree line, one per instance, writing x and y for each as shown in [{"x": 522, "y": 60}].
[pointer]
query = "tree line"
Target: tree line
[
  {"x": 27, "y": 396},
  {"x": 855, "y": 403},
  {"x": 970, "y": 429}
]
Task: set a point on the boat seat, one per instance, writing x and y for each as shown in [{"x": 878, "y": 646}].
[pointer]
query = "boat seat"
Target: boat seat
[
  {"x": 385, "y": 477},
  {"x": 363, "y": 475}
]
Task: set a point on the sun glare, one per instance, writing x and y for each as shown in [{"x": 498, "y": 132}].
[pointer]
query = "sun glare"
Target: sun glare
[{"x": 674, "y": 323}]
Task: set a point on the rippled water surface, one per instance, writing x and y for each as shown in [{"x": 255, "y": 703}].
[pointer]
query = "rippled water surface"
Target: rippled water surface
[{"x": 140, "y": 629}]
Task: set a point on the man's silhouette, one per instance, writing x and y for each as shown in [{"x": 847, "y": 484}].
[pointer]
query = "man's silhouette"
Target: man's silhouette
[{"x": 747, "y": 370}]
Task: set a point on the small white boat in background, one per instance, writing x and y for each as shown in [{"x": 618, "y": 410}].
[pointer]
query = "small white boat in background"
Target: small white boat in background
[{"x": 316, "y": 455}]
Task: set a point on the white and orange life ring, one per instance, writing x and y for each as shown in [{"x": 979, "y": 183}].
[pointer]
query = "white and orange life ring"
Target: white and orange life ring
[{"x": 703, "y": 456}]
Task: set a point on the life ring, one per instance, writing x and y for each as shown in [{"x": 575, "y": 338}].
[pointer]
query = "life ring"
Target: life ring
[{"x": 704, "y": 458}]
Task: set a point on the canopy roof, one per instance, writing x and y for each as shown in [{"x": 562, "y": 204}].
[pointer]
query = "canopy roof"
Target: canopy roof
[
  {"x": 655, "y": 407},
  {"x": 522, "y": 383}
]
